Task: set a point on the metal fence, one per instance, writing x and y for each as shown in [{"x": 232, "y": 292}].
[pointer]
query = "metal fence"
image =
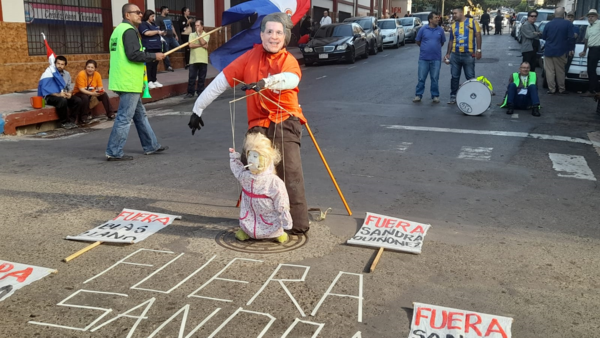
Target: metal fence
[{"x": 70, "y": 26}]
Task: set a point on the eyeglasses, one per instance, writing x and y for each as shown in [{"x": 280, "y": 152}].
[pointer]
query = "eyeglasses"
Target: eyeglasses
[
  {"x": 136, "y": 12},
  {"x": 533, "y": 16}
]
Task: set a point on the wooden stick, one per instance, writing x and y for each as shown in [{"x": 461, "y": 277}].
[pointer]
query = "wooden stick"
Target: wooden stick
[
  {"x": 82, "y": 251},
  {"x": 376, "y": 260},
  {"x": 196, "y": 39},
  {"x": 312, "y": 137}
]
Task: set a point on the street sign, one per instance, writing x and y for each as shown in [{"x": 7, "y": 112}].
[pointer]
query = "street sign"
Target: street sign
[
  {"x": 14, "y": 276},
  {"x": 438, "y": 321},
  {"x": 131, "y": 226},
  {"x": 391, "y": 233}
]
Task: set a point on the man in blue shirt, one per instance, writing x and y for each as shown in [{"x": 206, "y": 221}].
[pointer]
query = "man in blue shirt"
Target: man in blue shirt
[
  {"x": 559, "y": 36},
  {"x": 430, "y": 39}
]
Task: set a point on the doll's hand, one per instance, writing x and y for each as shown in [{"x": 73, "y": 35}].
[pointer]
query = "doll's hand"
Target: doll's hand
[
  {"x": 231, "y": 150},
  {"x": 195, "y": 123},
  {"x": 256, "y": 86}
]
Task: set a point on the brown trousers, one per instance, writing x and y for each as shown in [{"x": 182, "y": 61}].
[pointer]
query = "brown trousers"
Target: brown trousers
[
  {"x": 85, "y": 105},
  {"x": 288, "y": 133}
]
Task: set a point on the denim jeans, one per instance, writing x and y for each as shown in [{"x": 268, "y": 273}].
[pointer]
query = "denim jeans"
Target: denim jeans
[
  {"x": 457, "y": 61},
  {"x": 522, "y": 101},
  {"x": 130, "y": 108},
  {"x": 433, "y": 69},
  {"x": 170, "y": 43}
]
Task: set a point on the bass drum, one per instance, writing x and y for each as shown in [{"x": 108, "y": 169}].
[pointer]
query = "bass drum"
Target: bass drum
[{"x": 473, "y": 97}]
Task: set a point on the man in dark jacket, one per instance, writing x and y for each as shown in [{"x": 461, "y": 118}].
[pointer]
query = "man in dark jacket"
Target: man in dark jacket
[
  {"x": 485, "y": 22},
  {"x": 498, "y": 23},
  {"x": 559, "y": 35}
]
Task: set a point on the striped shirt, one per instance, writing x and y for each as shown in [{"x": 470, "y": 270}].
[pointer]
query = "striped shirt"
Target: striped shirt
[{"x": 463, "y": 34}]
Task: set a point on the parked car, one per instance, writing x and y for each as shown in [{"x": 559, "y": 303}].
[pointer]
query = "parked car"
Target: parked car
[
  {"x": 423, "y": 16},
  {"x": 391, "y": 32},
  {"x": 369, "y": 25},
  {"x": 577, "y": 72},
  {"x": 513, "y": 29},
  {"x": 540, "y": 52},
  {"x": 336, "y": 42},
  {"x": 411, "y": 27}
]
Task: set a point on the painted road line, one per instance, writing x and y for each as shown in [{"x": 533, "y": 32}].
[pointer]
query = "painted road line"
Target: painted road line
[
  {"x": 351, "y": 67},
  {"x": 515, "y": 116},
  {"x": 573, "y": 166},
  {"x": 384, "y": 55},
  {"x": 475, "y": 153},
  {"x": 496, "y": 133},
  {"x": 510, "y": 64},
  {"x": 322, "y": 77},
  {"x": 595, "y": 137},
  {"x": 403, "y": 146}
]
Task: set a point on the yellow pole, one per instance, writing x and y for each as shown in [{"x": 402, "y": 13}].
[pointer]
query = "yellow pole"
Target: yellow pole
[{"x": 82, "y": 251}]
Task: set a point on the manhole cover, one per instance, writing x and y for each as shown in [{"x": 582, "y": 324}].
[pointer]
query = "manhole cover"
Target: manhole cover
[
  {"x": 488, "y": 60},
  {"x": 227, "y": 240}
]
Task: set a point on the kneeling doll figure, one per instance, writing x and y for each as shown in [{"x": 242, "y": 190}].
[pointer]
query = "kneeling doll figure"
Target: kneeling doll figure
[{"x": 265, "y": 206}]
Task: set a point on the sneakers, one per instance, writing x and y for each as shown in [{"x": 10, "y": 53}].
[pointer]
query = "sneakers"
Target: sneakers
[
  {"x": 170, "y": 69},
  {"x": 157, "y": 84},
  {"x": 241, "y": 236},
  {"x": 159, "y": 150},
  {"x": 68, "y": 125},
  {"x": 282, "y": 239},
  {"x": 535, "y": 111},
  {"x": 510, "y": 110},
  {"x": 452, "y": 100},
  {"x": 188, "y": 96},
  {"x": 151, "y": 85},
  {"x": 122, "y": 158},
  {"x": 417, "y": 99},
  {"x": 436, "y": 100}
]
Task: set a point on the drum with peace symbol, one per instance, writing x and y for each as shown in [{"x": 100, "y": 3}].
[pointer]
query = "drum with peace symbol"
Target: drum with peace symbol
[{"x": 473, "y": 97}]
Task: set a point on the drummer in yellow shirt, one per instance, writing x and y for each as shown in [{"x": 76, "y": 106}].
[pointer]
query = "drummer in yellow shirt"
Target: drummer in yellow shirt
[{"x": 198, "y": 60}]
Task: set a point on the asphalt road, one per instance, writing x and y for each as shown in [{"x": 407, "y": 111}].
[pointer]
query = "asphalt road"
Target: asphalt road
[{"x": 514, "y": 216}]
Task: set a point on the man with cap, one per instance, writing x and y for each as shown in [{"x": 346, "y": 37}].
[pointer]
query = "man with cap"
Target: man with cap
[
  {"x": 271, "y": 70},
  {"x": 592, "y": 42}
]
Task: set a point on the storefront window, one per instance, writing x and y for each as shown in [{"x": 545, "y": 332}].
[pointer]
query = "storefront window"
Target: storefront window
[{"x": 70, "y": 26}]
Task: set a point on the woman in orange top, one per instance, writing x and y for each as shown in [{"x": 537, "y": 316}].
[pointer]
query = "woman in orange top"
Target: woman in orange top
[{"x": 88, "y": 84}]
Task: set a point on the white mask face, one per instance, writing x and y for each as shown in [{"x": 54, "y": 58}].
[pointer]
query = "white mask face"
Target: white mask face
[{"x": 254, "y": 161}]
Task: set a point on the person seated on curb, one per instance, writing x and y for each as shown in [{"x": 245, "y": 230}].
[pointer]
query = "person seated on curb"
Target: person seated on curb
[
  {"x": 522, "y": 91},
  {"x": 88, "y": 84},
  {"x": 59, "y": 94}
]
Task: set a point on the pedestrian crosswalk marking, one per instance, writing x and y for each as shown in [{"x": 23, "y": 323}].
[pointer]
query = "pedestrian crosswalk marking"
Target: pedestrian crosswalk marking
[
  {"x": 475, "y": 153},
  {"x": 403, "y": 146},
  {"x": 573, "y": 166}
]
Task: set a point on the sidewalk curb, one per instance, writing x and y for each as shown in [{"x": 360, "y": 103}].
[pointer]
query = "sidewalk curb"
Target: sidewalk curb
[{"x": 22, "y": 118}]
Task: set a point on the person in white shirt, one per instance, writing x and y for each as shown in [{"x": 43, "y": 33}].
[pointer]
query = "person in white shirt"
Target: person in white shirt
[{"x": 326, "y": 19}]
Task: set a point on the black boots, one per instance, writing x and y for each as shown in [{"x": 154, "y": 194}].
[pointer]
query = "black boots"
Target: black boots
[
  {"x": 535, "y": 111},
  {"x": 510, "y": 110}
]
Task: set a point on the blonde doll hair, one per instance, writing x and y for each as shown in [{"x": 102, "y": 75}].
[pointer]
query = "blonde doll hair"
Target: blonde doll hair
[{"x": 262, "y": 145}]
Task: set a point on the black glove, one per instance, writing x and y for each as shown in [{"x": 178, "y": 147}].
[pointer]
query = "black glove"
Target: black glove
[
  {"x": 256, "y": 86},
  {"x": 195, "y": 123}
]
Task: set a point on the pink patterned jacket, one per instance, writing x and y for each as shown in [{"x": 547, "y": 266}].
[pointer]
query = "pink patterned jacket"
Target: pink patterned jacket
[{"x": 265, "y": 207}]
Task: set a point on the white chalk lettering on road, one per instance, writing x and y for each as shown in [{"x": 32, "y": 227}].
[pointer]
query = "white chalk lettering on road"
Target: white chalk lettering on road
[
  {"x": 495, "y": 133},
  {"x": 475, "y": 153},
  {"x": 573, "y": 166}
]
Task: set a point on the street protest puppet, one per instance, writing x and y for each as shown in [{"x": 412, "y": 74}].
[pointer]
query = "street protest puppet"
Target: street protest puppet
[{"x": 265, "y": 206}]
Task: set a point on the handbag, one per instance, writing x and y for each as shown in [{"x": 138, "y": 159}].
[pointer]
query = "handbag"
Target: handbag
[
  {"x": 93, "y": 102},
  {"x": 187, "y": 30}
]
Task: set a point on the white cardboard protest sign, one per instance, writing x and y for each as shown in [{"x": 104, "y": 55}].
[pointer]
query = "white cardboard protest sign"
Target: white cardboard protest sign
[
  {"x": 391, "y": 233},
  {"x": 438, "y": 321},
  {"x": 131, "y": 226},
  {"x": 14, "y": 276}
]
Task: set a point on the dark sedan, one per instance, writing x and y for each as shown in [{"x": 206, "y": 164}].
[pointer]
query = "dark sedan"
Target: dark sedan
[
  {"x": 369, "y": 25},
  {"x": 336, "y": 42}
]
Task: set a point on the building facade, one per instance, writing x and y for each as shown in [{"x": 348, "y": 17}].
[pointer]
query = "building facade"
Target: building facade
[{"x": 80, "y": 30}]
